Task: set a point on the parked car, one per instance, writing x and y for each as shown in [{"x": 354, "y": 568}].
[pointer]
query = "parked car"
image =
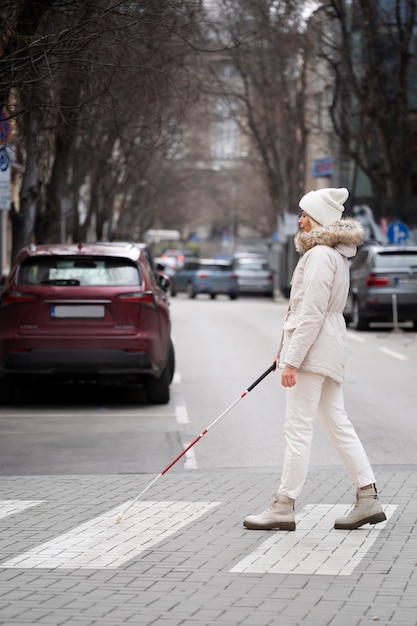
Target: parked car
[
  {"x": 383, "y": 283},
  {"x": 254, "y": 275},
  {"x": 172, "y": 260},
  {"x": 210, "y": 276},
  {"x": 91, "y": 312}
]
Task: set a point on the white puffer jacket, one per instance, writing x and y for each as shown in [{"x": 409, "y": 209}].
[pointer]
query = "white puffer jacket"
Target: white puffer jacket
[{"x": 314, "y": 331}]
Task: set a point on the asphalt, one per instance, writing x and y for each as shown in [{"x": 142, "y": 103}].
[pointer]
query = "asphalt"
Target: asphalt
[{"x": 181, "y": 555}]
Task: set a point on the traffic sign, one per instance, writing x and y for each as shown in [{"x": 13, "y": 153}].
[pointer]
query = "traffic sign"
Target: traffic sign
[
  {"x": 397, "y": 233},
  {"x": 5, "y": 179},
  {"x": 5, "y": 128}
]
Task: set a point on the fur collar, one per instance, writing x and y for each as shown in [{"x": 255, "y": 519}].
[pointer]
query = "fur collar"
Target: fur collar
[{"x": 347, "y": 233}]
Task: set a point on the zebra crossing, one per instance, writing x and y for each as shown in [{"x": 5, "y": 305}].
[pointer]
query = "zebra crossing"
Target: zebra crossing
[{"x": 99, "y": 543}]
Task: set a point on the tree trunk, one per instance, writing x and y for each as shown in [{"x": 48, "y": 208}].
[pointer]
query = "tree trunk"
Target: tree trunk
[{"x": 23, "y": 221}]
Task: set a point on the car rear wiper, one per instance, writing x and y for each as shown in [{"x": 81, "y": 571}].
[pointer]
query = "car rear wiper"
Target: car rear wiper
[{"x": 62, "y": 282}]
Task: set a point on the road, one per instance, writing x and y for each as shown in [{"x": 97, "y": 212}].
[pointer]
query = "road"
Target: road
[
  {"x": 222, "y": 346},
  {"x": 72, "y": 460}
]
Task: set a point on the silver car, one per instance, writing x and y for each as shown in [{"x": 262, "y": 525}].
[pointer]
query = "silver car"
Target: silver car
[
  {"x": 254, "y": 275},
  {"x": 383, "y": 286},
  {"x": 209, "y": 276}
]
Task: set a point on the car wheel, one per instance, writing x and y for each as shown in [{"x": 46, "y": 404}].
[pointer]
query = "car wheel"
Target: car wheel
[
  {"x": 213, "y": 296},
  {"x": 157, "y": 389},
  {"x": 172, "y": 290},
  {"x": 233, "y": 296},
  {"x": 358, "y": 321},
  {"x": 190, "y": 290},
  {"x": 347, "y": 313},
  {"x": 171, "y": 360}
]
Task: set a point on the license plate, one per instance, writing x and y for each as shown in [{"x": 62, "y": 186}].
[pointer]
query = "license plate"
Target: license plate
[
  {"x": 95, "y": 311},
  {"x": 407, "y": 281}
]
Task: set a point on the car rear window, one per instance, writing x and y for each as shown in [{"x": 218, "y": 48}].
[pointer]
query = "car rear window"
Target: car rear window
[
  {"x": 396, "y": 259},
  {"x": 75, "y": 270},
  {"x": 249, "y": 264},
  {"x": 215, "y": 267}
]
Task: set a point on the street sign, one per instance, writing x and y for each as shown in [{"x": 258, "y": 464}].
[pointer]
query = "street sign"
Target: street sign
[
  {"x": 397, "y": 233},
  {"x": 5, "y": 128},
  {"x": 323, "y": 167},
  {"x": 5, "y": 179}
]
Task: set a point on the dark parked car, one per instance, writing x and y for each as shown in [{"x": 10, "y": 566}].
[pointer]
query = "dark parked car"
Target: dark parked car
[
  {"x": 383, "y": 284},
  {"x": 210, "y": 276},
  {"x": 173, "y": 259},
  {"x": 254, "y": 275},
  {"x": 91, "y": 312}
]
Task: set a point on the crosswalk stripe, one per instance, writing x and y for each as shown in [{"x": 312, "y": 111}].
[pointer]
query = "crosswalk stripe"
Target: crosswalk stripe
[
  {"x": 316, "y": 547},
  {"x": 101, "y": 543},
  {"x": 181, "y": 414},
  {"x": 10, "y": 507}
]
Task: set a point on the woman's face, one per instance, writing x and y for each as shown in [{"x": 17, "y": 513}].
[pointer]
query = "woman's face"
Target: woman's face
[{"x": 304, "y": 222}]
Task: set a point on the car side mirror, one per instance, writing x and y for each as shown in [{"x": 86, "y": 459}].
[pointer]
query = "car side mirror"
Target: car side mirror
[{"x": 164, "y": 282}]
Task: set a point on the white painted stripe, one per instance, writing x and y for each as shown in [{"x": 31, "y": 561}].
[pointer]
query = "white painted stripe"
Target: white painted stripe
[
  {"x": 10, "y": 507},
  {"x": 396, "y": 355},
  {"x": 176, "y": 378},
  {"x": 190, "y": 460},
  {"x": 315, "y": 547},
  {"x": 181, "y": 414},
  {"x": 101, "y": 543}
]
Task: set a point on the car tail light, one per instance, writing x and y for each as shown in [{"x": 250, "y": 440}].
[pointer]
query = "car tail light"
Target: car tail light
[
  {"x": 373, "y": 280},
  {"x": 202, "y": 275},
  {"x": 232, "y": 276},
  {"x": 143, "y": 298},
  {"x": 16, "y": 297}
]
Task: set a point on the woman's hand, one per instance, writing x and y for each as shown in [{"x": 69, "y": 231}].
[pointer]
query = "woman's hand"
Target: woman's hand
[{"x": 288, "y": 376}]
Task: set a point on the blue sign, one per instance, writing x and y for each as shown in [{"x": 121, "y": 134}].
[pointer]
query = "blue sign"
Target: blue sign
[
  {"x": 5, "y": 128},
  {"x": 322, "y": 167},
  {"x": 4, "y": 160},
  {"x": 397, "y": 232}
]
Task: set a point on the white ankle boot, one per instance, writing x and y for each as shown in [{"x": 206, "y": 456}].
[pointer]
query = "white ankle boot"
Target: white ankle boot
[
  {"x": 280, "y": 515},
  {"x": 367, "y": 510}
]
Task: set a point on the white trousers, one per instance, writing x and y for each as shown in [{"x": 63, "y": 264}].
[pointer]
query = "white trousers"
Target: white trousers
[{"x": 321, "y": 396}]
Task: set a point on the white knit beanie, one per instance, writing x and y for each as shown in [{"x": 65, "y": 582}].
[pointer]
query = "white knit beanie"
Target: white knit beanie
[{"x": 325, "y": 205}]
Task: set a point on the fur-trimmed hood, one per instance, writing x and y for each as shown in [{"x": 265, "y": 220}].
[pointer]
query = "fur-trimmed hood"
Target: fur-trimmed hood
[{"x": 345, "y": 235}]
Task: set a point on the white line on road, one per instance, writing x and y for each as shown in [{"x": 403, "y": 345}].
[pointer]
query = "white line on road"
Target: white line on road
[
  {"x": 181, "y": 414},
  {"x": 190, "y": 460},
  {"x": 356, "y": 337},
  {"x": 315, "y": 547},
  {"x": 396, "y": 355},
  {"x": 10, "y": 507},
  {"x": 101, "y": 543}
]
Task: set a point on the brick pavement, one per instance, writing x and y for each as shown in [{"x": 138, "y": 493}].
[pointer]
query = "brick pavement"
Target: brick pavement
[{"x": 182, "y": 556}]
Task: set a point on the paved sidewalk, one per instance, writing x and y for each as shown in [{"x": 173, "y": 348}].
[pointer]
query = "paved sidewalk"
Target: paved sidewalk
[{"x": 182, "y": 557}]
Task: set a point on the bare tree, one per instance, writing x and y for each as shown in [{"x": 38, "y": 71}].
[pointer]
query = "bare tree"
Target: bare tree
[
  {"x": 108, "y": 77},
  {"x": 369, "y": 47},
  {"x": 265, "y": 43}
]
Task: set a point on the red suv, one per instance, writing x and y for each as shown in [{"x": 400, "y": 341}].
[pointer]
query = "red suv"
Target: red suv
[{"x": 89, "y": 312}]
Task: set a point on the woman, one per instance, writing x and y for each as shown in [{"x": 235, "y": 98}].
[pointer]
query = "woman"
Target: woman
[{"x": 312, "y": 358}]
